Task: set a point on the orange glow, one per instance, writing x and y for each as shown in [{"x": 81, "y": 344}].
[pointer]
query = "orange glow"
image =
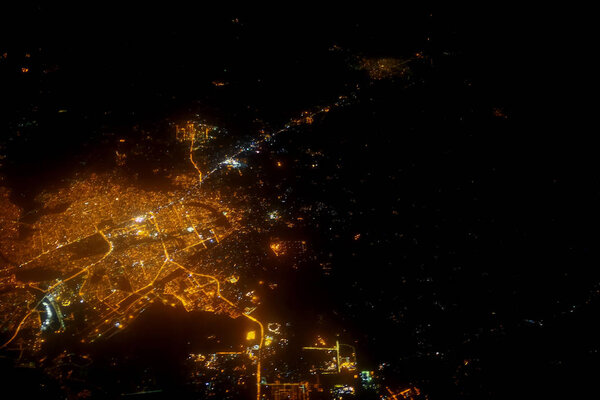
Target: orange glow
[
  {"x": 142, "y": 237},
  {"x": 276, "y": 248}
]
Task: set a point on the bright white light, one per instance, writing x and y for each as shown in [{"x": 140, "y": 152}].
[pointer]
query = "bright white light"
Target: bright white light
[
  {"x": 48, "y": 316},
  {"x": 232, "y": 163},
  {"x": 190, "y": 229},
  {"x": 140, "y": 219}
]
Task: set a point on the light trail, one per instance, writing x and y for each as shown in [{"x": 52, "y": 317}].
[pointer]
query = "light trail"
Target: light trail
[
  {"x": 58, "y": 284},
  {"x": 192, "y": 158},
  {"x": 153, "y": 219},
  {"x": 253, "y": 145},
  {"x": 20, "y": 325},
  {"x": 336, "y": 349},
  {"x": 56, "y": 248},
  {"x": 110, "y": 250},
  {"x": 251, "y": 318}
]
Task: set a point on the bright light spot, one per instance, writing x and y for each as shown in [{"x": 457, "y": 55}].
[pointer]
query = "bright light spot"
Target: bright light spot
[
  {"x": 274, "y": 327},
  {"x": 277, "y": 248},
  {"x": 230, "y": 162},
  {"x": 140, "y": 219},
  {"x": 251, "y": 335},
  {"x": 48, "y": 316},
  {"x": 190, "y": 229}
]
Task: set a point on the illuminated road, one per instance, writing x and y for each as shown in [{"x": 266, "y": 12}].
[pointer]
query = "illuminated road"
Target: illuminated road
[{"x": 131, "y": 241}]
